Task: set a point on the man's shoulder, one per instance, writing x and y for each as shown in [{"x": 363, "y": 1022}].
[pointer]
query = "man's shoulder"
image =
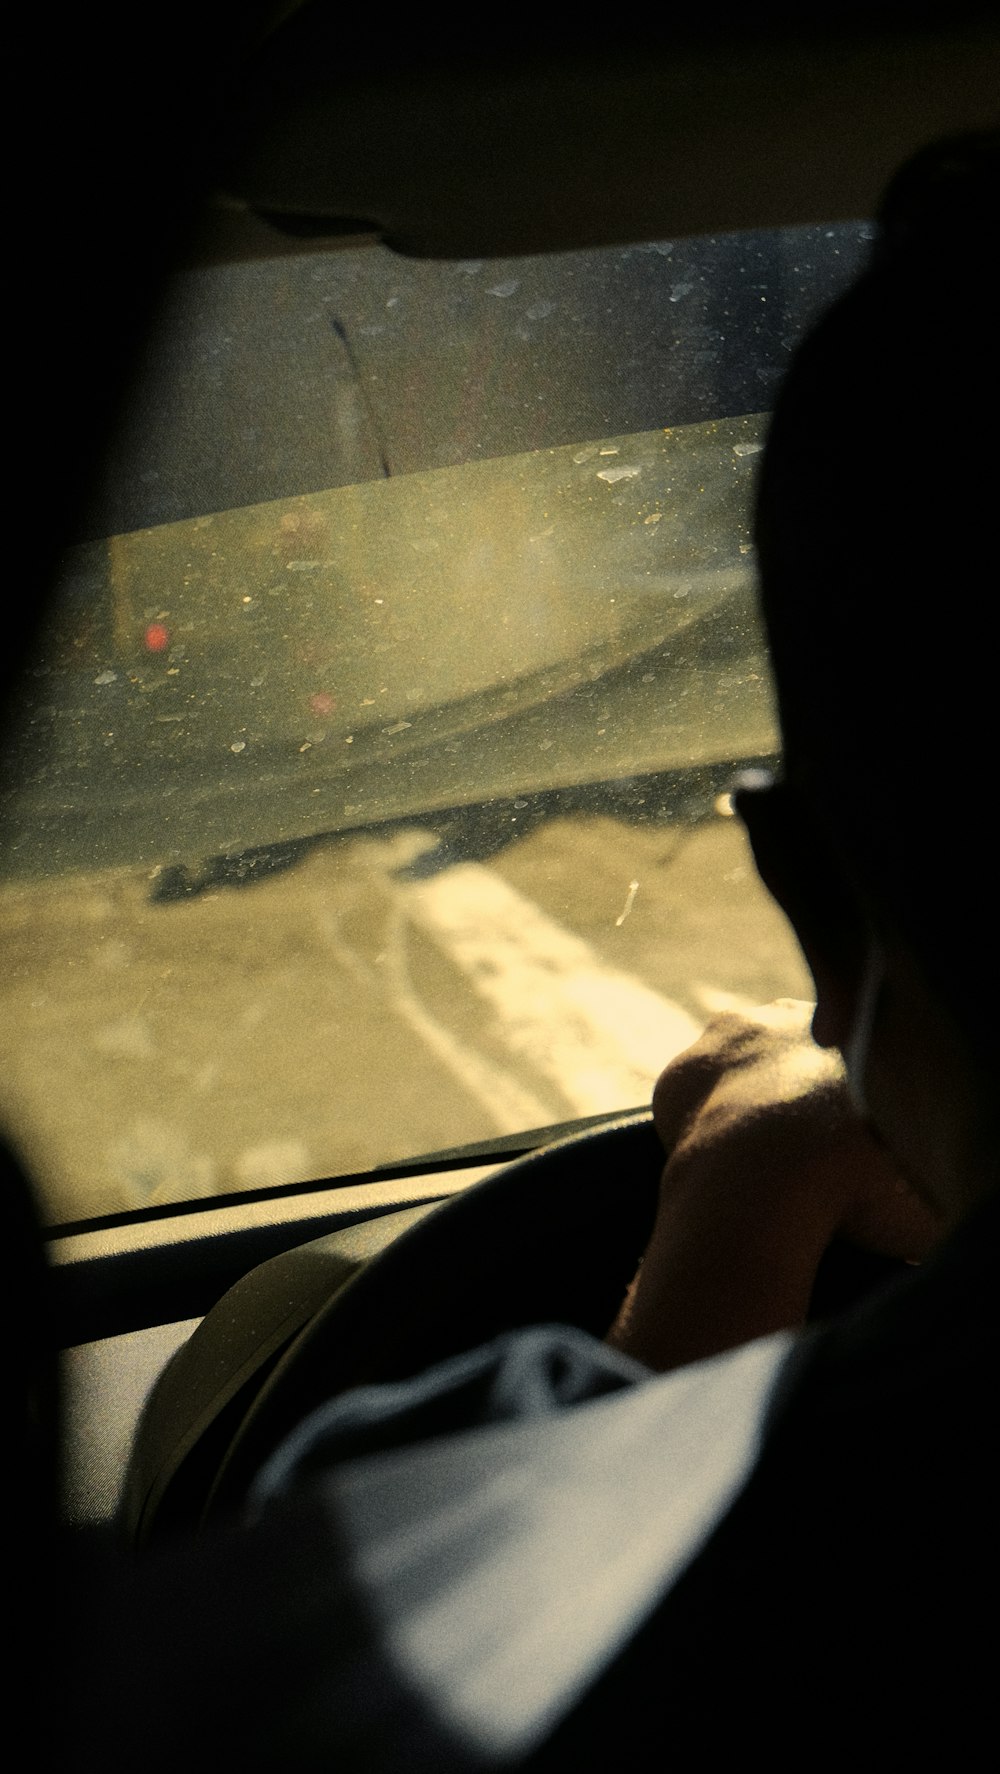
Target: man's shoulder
[{"x": 923, "y": 1348}]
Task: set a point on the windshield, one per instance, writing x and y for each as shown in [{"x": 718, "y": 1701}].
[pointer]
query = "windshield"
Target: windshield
[{"x": 369, "y": 790}]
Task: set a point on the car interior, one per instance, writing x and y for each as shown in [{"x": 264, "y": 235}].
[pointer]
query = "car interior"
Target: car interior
[{"x": 388, "y": 661}]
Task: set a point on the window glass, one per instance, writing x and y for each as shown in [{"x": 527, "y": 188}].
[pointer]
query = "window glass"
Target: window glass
[{"x": 368, "y": 793}]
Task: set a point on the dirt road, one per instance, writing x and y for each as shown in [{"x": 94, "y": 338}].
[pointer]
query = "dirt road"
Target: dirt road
[{"x": 365, "y": 1006}]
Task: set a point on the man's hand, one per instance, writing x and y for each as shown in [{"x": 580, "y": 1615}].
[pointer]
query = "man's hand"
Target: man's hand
[{"x": 767, "y": 1163}]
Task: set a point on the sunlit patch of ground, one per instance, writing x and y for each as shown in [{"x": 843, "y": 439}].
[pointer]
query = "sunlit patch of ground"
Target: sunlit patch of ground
[{"x": 330, "y": 1019}]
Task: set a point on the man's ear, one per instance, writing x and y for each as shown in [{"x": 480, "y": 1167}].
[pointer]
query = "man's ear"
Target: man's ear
[{"x": 803, "y": 873}]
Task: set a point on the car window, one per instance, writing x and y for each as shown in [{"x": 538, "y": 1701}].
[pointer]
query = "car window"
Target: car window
[{"x": 369, "y": 787}]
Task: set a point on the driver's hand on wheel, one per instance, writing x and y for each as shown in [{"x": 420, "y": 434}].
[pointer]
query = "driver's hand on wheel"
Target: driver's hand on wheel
[{"x": 767, "y": 1164}]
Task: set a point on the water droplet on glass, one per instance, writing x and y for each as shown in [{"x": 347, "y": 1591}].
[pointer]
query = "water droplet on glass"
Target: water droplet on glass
[{"x": 612, "y": 475}]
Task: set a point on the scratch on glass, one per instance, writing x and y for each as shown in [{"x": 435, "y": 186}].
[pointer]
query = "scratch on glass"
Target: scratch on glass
[{"x": 633, "y": 888}]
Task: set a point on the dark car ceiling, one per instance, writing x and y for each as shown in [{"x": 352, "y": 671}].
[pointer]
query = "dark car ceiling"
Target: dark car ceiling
[
  {"x": 630, "y": 135},
  {"x": 186, "y": 128}
]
